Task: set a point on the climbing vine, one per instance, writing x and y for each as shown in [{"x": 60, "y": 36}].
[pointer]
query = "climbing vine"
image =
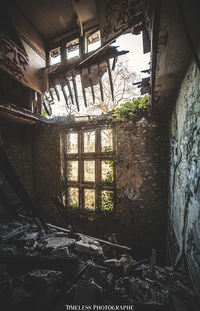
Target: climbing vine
[{"x": 130, "y": 110}]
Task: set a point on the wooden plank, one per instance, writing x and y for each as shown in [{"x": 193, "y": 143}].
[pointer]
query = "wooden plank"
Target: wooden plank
[
  {"x": 57, "y": 92},
  {"x": 100, "y": 82},
  {"x": 110, "y": 79},
  {"x": 122, "y": 247},
  {"x": 70, "y": 91},
  {"x": 91, "y": 85},
  {"x": 83, "y": 90},
  {"x": 65, "y": 95},
  {"x": 75, "y": 91}
]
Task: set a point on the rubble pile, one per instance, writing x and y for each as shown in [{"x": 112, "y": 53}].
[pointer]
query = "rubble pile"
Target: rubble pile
[{"x": 48, "y": 268}]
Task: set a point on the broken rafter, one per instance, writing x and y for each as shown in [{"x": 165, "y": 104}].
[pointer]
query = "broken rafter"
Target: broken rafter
[
  {"x": 75, "y": 91},
  {"x": 57, "y": 92},
  {"x": 83, "y": 90},
  {"x": 91, "y": 85},
  {"x": 70, "y": 91},
  {"x": 66, "y": 67},
  {"x": 100, "y": 82},
  {"x": 110, "y": 79},
  {"x": 65, "y": 95}
]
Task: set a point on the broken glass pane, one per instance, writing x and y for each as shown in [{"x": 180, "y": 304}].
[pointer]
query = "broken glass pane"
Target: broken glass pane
[
  {"x": 55, "y": 56},
  {"x": 72, "y": 48},
  {"x": 107, "y": 171},
  {"x": 89, "y": 170},
  {"x": 90, "y": 199},
  {"x": 72, "y": 170},
  {"x": 106, "y": 140},
  {"x": 107, "y": 200},
  {"x": 72, "y": 143},
  {"x": 89, "y": 141},
  {"x": 73, "y": 198}
]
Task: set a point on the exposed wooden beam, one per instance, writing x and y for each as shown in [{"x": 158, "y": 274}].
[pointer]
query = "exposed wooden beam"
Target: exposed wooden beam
[{"x": 110, "y": 79}]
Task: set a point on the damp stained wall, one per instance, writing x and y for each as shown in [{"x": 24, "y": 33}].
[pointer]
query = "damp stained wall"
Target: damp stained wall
[
  {"x": 141, "y": 168},
  {"x": 184, "y": 213}
]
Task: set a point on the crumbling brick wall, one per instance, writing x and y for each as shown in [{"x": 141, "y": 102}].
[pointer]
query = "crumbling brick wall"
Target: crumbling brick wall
[
  {"x": 141, "y": 163},
  {"x": 142, "y": 183}
]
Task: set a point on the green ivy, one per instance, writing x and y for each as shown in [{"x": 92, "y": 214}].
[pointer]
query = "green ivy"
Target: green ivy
[{"x": 131, "y": 110}]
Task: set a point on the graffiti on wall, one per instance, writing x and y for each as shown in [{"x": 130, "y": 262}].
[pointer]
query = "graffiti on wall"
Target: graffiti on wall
[
  {"x": 13, "y": 59},
  {"x": 113, "y": 17}
]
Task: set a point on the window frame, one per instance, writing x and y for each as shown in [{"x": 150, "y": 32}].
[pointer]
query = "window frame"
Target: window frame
[{"x": 96, "y": 156}]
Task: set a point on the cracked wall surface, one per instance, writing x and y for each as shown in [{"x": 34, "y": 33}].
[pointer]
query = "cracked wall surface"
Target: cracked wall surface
[{"x": 185, "y": 173}]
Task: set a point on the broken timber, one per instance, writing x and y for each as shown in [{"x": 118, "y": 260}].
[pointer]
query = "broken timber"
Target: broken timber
[{"x": 122, "y": 247}]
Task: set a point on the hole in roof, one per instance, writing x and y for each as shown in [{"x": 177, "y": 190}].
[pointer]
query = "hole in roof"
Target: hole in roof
[{"x": 127, "y": 71}]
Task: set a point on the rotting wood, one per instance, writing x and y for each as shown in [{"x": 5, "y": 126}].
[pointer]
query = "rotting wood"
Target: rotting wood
[
  {"x": 75, "y": 91},
  {"x": 51, "y": 94},
  {"x": 100, "y": 82},
  {"x": 70, "y": 91},
  {"x": 114, "y": 62},
  {"x": 110, "y": 79},
  {"x": 122, "y": 247},
  {"x": 91, "y": 85},
  {"x": 57, "y": 92},
  {"x": 65, "y": 95},
  {"x": 83, "y": 90}
]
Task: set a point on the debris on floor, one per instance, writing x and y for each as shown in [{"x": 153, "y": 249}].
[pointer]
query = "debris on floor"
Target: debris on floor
[{"x": 47, "y": 268}]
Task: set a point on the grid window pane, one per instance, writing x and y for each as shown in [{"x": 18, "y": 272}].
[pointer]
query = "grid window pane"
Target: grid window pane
[
  {"x": 72, "y": 143},
  {"x": 107, "y": 171},
  {"x": 72, "y": 170},
  {"x": 73, "y": 197},
  {"x": 90, "y": 199},
  {"x": 89, "y": 170},
  {"x": 106, "y": 140},
  {"x": 89, "y": 141},
  {"x": 107, "y": 200}
]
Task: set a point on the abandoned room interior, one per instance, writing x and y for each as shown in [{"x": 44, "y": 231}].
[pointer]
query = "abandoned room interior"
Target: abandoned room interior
[{"x": 99, "y": 194}]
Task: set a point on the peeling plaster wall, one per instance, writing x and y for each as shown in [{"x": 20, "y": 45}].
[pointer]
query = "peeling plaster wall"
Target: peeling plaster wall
[{"x": 184, "y": 218}]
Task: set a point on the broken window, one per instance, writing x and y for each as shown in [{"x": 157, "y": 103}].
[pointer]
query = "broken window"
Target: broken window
[
  {"x": 72, "y": 48},
  {"x": 55, "y": 56},
  {"x": 93, "y": 41},
  {"x": 90, "y": 172}
]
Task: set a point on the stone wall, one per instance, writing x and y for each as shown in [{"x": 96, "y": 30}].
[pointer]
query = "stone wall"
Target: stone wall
[
  {"x": 184, "y": 217},
  {"x": 141, "y": 169}
]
